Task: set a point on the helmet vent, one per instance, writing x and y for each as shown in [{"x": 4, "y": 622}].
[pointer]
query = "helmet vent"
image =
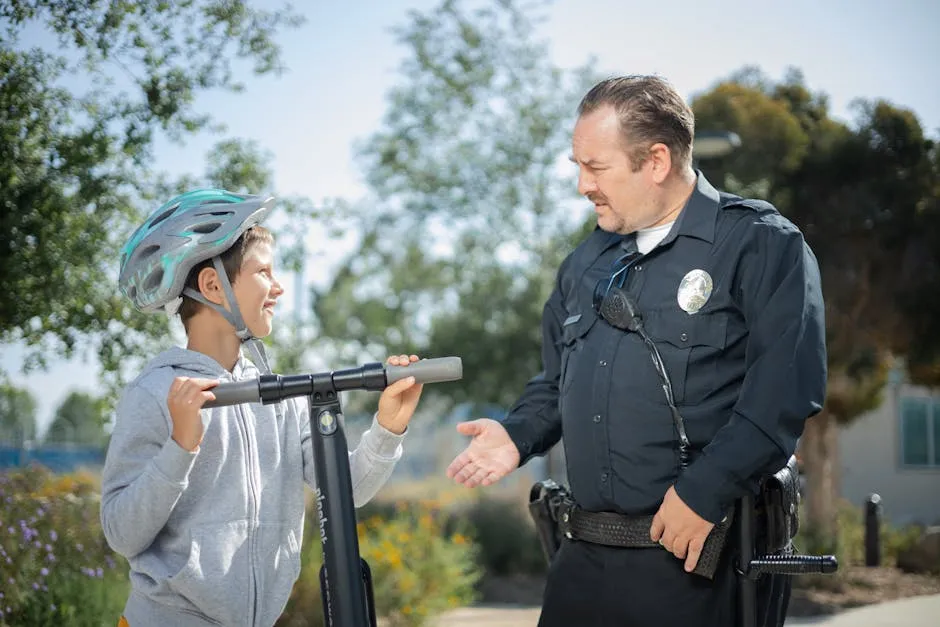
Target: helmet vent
[
  {"x": 148, "y": 251},
  {"x": 163, "y": 216},
  {"x": 206, "y": 227},
  {"x": 153, "y": 281}
]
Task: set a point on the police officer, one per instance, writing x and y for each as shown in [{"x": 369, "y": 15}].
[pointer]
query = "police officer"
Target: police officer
[{"x": 729, "y": 296}]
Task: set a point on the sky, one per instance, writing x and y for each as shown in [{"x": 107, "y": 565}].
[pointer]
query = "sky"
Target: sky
[{"x": 344, "y": 60}]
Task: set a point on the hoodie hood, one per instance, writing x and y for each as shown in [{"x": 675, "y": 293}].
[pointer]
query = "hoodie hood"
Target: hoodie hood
[{"x": 200, "y": 364}]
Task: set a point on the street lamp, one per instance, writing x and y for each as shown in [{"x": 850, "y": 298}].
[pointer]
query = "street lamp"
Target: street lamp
[{"x": 712, "y": 144}]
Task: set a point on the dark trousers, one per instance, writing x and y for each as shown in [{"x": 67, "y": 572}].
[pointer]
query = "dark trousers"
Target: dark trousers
[{"x": 599, "y": 586}]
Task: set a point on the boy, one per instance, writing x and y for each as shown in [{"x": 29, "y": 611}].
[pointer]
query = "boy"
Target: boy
[{"x": 208, "y": 505}]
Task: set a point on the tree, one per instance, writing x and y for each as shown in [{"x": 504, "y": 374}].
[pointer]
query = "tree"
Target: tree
[
  {"x": 469, "y": 221},
  {"x": 17, "y": 414},
  {"x": 74, "y": 177},
  {"x": 865, "y": 198},
  {"x": 80, "y": 419}
]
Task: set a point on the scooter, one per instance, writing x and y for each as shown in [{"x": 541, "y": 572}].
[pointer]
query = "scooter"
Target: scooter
[{"x": 345, "y": 578}]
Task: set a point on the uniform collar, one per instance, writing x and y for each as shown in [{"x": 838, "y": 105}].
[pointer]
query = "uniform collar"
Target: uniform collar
[{"x": 698, "y": 217}]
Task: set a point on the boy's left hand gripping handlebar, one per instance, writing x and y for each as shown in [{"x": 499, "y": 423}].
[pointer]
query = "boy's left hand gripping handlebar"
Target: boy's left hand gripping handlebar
[{"x": 368, "y": 377}]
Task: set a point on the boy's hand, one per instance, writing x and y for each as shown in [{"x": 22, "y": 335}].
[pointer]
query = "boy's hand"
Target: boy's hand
[
  {"x": 185, "y": 399},
  {"x": 399, "y": 400}
]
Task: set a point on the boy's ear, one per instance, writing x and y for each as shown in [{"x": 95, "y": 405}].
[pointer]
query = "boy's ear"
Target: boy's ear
[{"x": 210, "y": 286}]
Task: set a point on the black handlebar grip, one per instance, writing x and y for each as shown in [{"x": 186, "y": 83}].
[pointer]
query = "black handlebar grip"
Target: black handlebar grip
[
  {"x": 235, "y": 393},
  {"x": 427, "y": 370}
]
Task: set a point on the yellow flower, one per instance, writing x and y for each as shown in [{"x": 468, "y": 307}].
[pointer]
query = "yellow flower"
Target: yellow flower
[{"x": 459, "y": 539}]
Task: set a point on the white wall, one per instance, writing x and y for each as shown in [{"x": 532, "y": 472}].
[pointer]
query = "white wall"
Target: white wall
[{"x": 870, "y": 456}]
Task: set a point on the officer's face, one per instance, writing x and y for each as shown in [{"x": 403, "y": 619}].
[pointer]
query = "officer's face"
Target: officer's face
[{"x": 625, "y": 199}]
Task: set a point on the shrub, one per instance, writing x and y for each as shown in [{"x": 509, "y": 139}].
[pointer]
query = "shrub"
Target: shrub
[
  {"x": 58, "y": 569},
  {"x": 419, "y": 568},
  {"x": 506, "y": 537}
]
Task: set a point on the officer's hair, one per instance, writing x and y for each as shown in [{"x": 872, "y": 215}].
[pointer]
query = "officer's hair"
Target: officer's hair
[
  {"x": 232, "y": 262},
  {"x": 650, "y": 111}
]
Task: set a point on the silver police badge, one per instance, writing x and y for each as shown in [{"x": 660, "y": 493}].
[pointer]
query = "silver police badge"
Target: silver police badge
[{"x": 694, "y": 291}]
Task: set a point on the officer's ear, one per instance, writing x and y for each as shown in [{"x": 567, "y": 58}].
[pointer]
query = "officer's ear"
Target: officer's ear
[{"x": 660, "y": 162}]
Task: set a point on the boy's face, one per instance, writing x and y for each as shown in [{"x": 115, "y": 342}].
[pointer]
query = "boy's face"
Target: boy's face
[{"x": 256, "y": 289}]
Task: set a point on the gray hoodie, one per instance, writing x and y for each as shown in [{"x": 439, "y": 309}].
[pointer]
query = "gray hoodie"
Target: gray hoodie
[{"x": 213, "y": 536}]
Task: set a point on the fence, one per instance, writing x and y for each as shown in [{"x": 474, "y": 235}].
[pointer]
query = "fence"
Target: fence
[{"x": 55, "y": 457}]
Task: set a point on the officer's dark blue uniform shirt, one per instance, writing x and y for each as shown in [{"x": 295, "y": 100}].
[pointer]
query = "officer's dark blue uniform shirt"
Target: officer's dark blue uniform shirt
[{"x": 747, "y": 369}]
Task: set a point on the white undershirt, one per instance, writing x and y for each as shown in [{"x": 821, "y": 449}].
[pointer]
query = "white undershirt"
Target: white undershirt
[{"x": 648, "y": 239}]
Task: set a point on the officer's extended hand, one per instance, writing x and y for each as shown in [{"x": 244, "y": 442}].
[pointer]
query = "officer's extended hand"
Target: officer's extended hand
[
  {"x": 680, "y": 530},
  {"x": 490, "y": 456}
]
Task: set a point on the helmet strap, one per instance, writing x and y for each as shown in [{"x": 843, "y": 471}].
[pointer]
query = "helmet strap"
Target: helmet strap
[{"x": 234, "y": 317}]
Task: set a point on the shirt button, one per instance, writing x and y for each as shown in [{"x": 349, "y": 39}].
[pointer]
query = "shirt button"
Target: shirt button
[
  {"x": 604, "y": 477},
  {"x": 597, "y": 417},
  {"x": 602, "y": 363},
  {"x": 684, "y": 337}
]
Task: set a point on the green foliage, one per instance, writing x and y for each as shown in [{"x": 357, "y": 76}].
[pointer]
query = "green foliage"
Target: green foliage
[
  {"x": 80, "y": 419},
  {"x": 75, "y": 155},
  {"x": 57, "y": 568},
  {"x": 419, "y": 568},
  {"x": 507, "y": 541},
  {"x": 470, "y": 222},
  {"x": 17, "y": 414},
  {"x": 848, "y": 545}
]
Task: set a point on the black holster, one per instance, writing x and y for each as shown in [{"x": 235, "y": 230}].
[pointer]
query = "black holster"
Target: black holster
[
  {"x": 546, "y": 498},
  {"x": 778, "y": 509}
]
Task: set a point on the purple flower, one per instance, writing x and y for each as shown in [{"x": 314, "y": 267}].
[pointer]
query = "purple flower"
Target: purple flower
[
  {"x": 99, "y": 572},
  {"x": 11, "y": 530},
  {"x": 49, "y": 548},
  {"x": 53, "y": 535},
  {"x": 37, "y": 544},
  {"x": 43, "y": 571},
  {"x": 35, "y": 585},
  {"x": 52, "y": 607},
  {"x": 50, "y": 558},
  {"x": 79, "y": 547}
]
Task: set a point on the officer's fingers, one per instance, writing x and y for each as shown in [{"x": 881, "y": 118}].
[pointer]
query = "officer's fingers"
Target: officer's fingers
[
  {"x": 493, "y": 477},
  {"x": 457, "y": 465},
  {"x": 668, "y": 540},
  {"x": 477, "y": 477},
  {"x": 695, "y": 552},
  {"x": 680, "y": 547},
  {"x": 657, "y": 528}
]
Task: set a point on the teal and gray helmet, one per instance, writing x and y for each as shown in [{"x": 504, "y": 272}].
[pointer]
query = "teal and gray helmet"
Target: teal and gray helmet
[{"x": 184, "y": 232}]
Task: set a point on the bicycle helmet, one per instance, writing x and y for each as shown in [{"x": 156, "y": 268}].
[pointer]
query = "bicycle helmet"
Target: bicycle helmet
[{"x": 181, "y": 234}]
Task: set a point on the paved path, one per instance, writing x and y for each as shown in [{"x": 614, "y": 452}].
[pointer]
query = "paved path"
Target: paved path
[{"x": 921, "y": 611}]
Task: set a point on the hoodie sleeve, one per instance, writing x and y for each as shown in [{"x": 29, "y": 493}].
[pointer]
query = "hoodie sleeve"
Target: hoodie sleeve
[
  {"x": 370, "y": 464},
  {"x": 145, "y": 473}
]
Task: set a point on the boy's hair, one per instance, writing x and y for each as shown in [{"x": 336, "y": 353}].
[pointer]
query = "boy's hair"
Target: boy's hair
[{"x": 232, "y": 262}]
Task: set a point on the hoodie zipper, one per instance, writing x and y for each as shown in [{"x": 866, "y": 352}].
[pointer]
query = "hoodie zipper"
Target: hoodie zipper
[{"x": 252, "y": 511}]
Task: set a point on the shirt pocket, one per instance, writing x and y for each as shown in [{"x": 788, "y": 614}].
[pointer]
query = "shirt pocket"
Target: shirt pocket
[
  {"x": 574, "y": 330},
  {"x": 691, "y": 347}
]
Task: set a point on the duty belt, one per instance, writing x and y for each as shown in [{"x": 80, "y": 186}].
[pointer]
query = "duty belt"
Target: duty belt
[{"x": 620, "y": 530}]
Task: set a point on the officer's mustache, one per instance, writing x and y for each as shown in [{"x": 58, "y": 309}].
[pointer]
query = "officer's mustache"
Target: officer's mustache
[{"x": 597, "y": 199}]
